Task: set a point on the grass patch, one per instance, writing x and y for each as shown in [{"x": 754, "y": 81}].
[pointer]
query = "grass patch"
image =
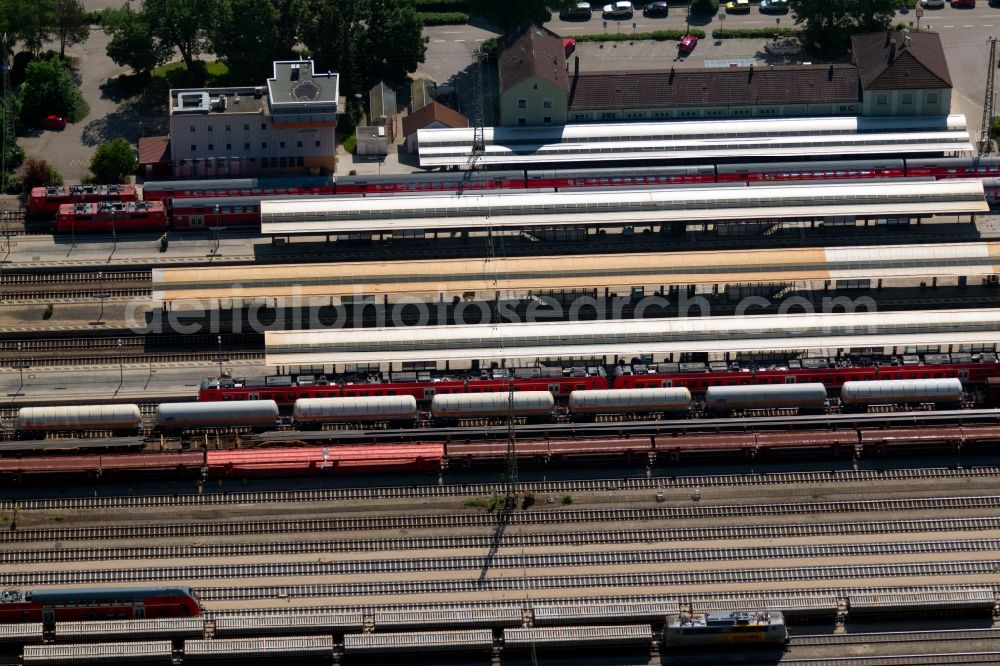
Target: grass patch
[
  {"x": 567, "y": 499},
  {"x": 754, "y": 33},
  {"x": 443, "y": 18},
  {"x": 489, "y": 503},
  {"x": 351, "y": 143},
  {"x": 48, "y": 311},
  {"x": 205, "y": 73}
]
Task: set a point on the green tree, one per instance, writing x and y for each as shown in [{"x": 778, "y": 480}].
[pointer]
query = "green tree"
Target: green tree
[
  {"x": 509, "y": 14},
  {"x": 829, "y": 24},
  {"x": 249, "y": 34},
  {"x": 133, "y": 44},
  {"x": 33, "y": 22},
  {"x": 39, "y": 172},
  {"x": 71, "y": 24},
  {"x": 364, "y": 40},
  {"x": 181, "y": 24},
  {"x": 48, "y": 88},
  {"x": 113, "y": 162}
]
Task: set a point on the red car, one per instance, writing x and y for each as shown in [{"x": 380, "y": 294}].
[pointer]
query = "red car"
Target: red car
[
  {"x": 687, "y": 44},
  {"x": 963, "y": 4},
  {"x": 54, "y": 122}
]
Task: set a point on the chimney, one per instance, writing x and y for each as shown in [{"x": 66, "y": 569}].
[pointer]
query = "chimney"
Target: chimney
[
  {"x": 576, "y": 66},
  {"x": 829, "y": 75}
]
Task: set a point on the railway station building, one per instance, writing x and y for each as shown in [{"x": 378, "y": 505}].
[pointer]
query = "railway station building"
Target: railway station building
[
  {"x": 287, "y": 125},
  {"x": 893, "y": 73}
]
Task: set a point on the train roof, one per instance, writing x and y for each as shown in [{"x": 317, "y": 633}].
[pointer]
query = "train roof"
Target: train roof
[
  {"x": 238, "y": 183},
  {"x": 704, "y": 620},
  {"x": 90, "y": 594}
]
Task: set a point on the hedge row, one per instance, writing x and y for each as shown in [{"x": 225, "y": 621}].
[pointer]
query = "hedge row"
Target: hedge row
[
  {"x": 441, "y": 5},
  {"x": 754, "y": 33},
  {"x": 658, "y": 36},
  {"x": 704, "y": 7},
  {"x": 443, "y": 18}
]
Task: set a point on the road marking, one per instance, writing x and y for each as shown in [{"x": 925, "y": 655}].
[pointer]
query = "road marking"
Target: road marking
[
  {"x": 459, "y": 40},
  {"x": 968, "y": 26},
  {"x": 452, "y": 32},
  {"x": 439, "y": 41},
  {"x": 947, "y": 26},
  {"x": 479, "y": 40}
]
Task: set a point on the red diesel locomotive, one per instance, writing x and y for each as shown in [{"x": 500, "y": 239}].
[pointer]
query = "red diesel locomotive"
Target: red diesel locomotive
[
  {"x": 45, "y": 201},
  {"x": 108, "y": 216},
  {"x": 72, "y": 605}
]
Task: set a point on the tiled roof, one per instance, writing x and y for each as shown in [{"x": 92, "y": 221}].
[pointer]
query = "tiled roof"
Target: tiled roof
[
  {"x": 154, "y": 149},
  {"x": 894, "y": 61},
  {"x": 532, "y": 51},
  {"x": 741, "y": 86},
  {"x": 427, "y": 114}
]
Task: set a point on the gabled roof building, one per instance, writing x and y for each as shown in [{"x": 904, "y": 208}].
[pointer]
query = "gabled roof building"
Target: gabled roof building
[
  {"x": 533, "y": 81},
  {"x": 902, "y": 73}
]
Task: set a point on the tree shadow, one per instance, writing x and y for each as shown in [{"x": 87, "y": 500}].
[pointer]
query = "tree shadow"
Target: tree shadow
[
  {"x": 124, "y": 86},
  {"x": 134, "y": 119}
]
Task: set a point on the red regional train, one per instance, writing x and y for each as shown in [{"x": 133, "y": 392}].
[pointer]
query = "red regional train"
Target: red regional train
[
  {"x": 972, "y": 369},
  {"x": 45, "y": 201},
  {"x": 121, "y": 603},
  {"x": 236, "y": 203},
  {"x": 104, "y": 216}
]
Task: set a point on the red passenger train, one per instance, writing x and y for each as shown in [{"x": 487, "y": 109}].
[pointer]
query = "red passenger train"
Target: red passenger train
[
  {"x": 972, "y": 369},
  {"x": 111, "y": 603},
  {"x": 236, "y": 202},
  {"x": 108, "y": 216},
  {"x": 45, "y": 201}
]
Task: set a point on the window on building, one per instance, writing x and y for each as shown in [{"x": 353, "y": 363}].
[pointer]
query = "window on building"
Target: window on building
[
  {"x": 317, "y": 143},
  {"x": 547, "y": 103},
  {"x": 211, "y": 146},
  {"x": 264, "y": 145},
  {"x": 263, "y": 126},
  {"x": 522, "y": 104},
  {"x": 907, "y": 98},
  {"x": 211, "y": 128},
  {"x": 298, "y": 144},
  {"x": 192, "y": 128},
  {"x": 194, "y": 148},
  {"x": 932, "y": 98},
  {"x": 246, "y": 146},
  {"x": 608, "y": 115},
  {"x": 882, "y": 99},
  {"x": 246, "y": 126},
  {"x": 281, "y": 144},
  {"x": 547, "y": 120},
  {"x": 283, "y": 162},
  {"x": 229, "y": 146},
  {"x": 229, "y": 128},
  {"x": 264, "y": 162},
  {"x": 522, "y": 121},
  {"x": 534, "y": 86},
  {"x": 300, "y": 161}
]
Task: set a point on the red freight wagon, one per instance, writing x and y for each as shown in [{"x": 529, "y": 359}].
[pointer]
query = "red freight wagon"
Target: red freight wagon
[{"x": 108, "y": 217}]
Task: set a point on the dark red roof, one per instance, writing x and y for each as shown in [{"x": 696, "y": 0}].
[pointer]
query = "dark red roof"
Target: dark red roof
[
  {"x": 532, "y": 51},
  {"x": 154, "y": 149},
  {"x": 894, "y": 60},
  {"x": 741, "y": 86},
  {"x": 428, "y": 113}
]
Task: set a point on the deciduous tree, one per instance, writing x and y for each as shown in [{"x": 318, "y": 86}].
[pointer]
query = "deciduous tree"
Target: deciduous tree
[
  {"x": 71, "y": 24},
  {"x": 113, "y": 162},
  {"x": 830, "y": 23},
  {"x": 133, "y": 43},
  {"x": 249, "y": 34},
  {"x": 181, "y": 24},
  {"x": 39, "y": 172},
  {"x": 49, "y": 89}
]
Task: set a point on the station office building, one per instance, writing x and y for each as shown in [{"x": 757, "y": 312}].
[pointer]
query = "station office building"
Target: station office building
[
  {"x": 892, "y": 74},
  {"x": 286, "y": 126}
]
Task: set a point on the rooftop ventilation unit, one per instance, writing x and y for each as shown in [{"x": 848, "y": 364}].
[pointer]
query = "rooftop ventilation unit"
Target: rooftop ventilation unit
[{"x": 192, "y": 102}]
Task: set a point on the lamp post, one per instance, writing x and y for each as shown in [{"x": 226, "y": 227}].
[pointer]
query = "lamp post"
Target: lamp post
[
  {"x": 220, "y": 359},
  {"x": 121, "y": 365},
  {"x": 101, "y": 295}
]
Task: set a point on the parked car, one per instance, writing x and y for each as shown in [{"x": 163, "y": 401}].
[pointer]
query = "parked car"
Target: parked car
[
  {"x": 619, "y": 11},
  {"x": 738, "y": 7},
  {"x": 656, "y": 10},
  {"x": 778, "y": 6},
  {"x": 569, "y": 45},
  {"x": 582, "y": 12},
  {"x": 54, "y": 122},
  {"x": 687, "y": 44},
  {"x": 932, "y": 4},
  {"x": 963, "y": 4}
]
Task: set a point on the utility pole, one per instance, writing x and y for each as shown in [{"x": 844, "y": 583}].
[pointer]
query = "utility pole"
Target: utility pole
[{"x": 985, "y": 142}]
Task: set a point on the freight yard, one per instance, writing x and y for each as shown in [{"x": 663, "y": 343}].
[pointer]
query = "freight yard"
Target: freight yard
[{"x": 705, "y": 388}]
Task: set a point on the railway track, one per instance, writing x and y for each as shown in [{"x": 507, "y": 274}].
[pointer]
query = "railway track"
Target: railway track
[
  {"x": 739, "y": 576},
  {"x": 16, "y": 280},
  {"x": 489, "y": 520},
  {"x": 506, "y": 540},
  {"x": 131, "y": 349},
  {"x": 20, "y": 287},
  {"x": 652, "y": 484},
  {"x": 479, "y": 562},
  {"x": 815, "y": 640}
]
